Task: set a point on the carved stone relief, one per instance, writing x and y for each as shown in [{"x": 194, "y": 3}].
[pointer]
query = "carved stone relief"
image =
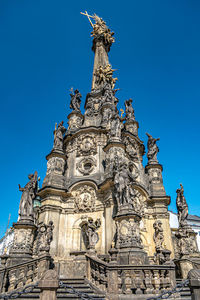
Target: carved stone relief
[
  {"x": 75, "y": 122},
  {"x": 155, "y": 175},
  {"x": 86, "y": 145},
  {"x": 55, "y": 165},
  {"x": 84, "y": 199},
  {"x": 127, "y": 234},
  {"x": 23, "y": 240},
  {"x": 86, "y": 165}
]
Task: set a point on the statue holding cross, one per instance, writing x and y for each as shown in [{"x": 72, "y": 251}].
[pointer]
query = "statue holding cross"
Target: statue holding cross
[{"x": 100, "y": 28}]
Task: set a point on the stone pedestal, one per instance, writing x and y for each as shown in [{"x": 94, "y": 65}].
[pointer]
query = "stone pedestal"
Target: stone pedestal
[
  {"x": 49, "y": 285},
  {"x": 24, "y": 232},
  {"x": 75, "y": 121},
  {"x": 128, "y": 241},
  {"x": 154, "y": 171},
  {"x": 132, "y": 127},
  {"x": 56, "y": 161}
]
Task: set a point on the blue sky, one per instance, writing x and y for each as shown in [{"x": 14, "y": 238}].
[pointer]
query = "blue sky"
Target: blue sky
[{"x": 46, "y": 49}]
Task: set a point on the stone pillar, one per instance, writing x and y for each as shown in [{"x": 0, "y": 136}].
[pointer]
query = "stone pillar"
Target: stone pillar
[
  {"x": 128, "y": 241},
  {"x": 75, "y": 121},
  {"x": 132, "y": 127},
  {"x": 154, "y": 171},
  {"x": 22, "y": 248},
  {"x": 56, "y": 161},
  {"x": 194, "y": 284},
  {"x": 49, "y": 284}
]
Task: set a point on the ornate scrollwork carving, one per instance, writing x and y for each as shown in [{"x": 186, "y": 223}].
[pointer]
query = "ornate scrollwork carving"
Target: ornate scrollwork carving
[
  {"x": 86, "y": 145},
  {"x": 85, "y": 199},
  {"x": 86, "y": 165}
]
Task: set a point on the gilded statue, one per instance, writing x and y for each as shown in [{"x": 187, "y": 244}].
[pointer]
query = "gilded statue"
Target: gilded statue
[
  {"x": 100, "y": 29},
  {"x": 104, "y": 76}
]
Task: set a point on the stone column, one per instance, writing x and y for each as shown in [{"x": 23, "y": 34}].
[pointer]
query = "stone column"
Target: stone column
[
  {"x": 56, "y": 161},
  {"x": 75, "y": 121},
  {"x": 22, "y": 248},
  {"x": 154, "y": 171},
  {"x": 132, "y": 127},
  {"x": 128, "y": 241},
  {"x": 49, "y": 284}
]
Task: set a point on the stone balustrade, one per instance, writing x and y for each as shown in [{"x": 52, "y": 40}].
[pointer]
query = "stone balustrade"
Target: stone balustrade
[
  {"x": 17, "y": 276},
  {"x": 130, "y": 279}
]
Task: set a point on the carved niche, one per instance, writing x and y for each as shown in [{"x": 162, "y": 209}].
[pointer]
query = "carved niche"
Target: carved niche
[
  {"x": 86, "y": 145},
  {"x": 86, "y": 165},
  {"x": 85, "y": 199}
]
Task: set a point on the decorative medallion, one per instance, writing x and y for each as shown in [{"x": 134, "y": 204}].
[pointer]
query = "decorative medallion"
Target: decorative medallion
[
  {"x": 84, "y": 198},
  {"x": 86, "y": 165},
  {"x": 86, "y": 145}
]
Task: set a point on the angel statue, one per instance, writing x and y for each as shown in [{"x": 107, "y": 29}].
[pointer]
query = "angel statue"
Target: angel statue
[
  {"x": 75, "y": 100},
  {"x": 28, "y": 194},
  {"x": 152, "y": 149}
]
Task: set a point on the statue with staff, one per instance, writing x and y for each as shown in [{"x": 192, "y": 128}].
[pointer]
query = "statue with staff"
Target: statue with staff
[{"x": 28, "y": 194}]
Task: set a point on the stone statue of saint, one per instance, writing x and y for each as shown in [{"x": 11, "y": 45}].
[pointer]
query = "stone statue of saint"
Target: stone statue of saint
[
  {"x": 129, "y": 110},
  {"x": 89, "y": 229},
  {"x": 29, "y": 193},
  {"x": 152, "y": 149},
  {"x": 75, "y": 100},
  {"x": 115, "y": 126},
  {"x": 182, "y": 206},
  {"x": 158, "y": 236},
  {"x": 58, "y": 136},
  {"x": 122, "y": 185}
]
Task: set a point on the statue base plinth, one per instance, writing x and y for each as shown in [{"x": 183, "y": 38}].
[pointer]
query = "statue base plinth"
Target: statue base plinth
[
  {"x": 24, "y": 231},
  {"x": 132, "y": 127},
  {"x": 132, "y": 256}
]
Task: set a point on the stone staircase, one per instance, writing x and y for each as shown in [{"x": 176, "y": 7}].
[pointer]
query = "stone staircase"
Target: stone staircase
[
  {"x": 78, "y": 284},
  {"x": 185, "y": 293}
]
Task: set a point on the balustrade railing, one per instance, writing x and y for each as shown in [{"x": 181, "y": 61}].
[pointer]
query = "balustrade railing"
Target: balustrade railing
[
  {"x": 130, "y": 279},
  {"x": 17, "y": 276}
]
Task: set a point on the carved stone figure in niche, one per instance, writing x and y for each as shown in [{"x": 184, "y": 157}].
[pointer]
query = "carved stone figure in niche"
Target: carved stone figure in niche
[
  {"x": 90, "y": 235},
  {"x": 29, "y": 193},
  {"x": 129, "y": 110},
  {"x": 104, "y": 76},
  {"x": 186, "y": 241},
  {"x": 45, "y": 236},
  {"x": 58, "y": 136},
  {"x": 86, "y": 165},
  {"x": 182, "y": 206},
  {"x": 92, "y": 106},
  {"x": 106, "y": 116},
  {"x": 115, "y": 127},
  {"x": 158, "y": 236},
  {"x": 152, "y": 149},
  {"x": 86, "y": 145},
  {"x": 75, "y": 100},
  {"x": 85, "y": 199}
]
